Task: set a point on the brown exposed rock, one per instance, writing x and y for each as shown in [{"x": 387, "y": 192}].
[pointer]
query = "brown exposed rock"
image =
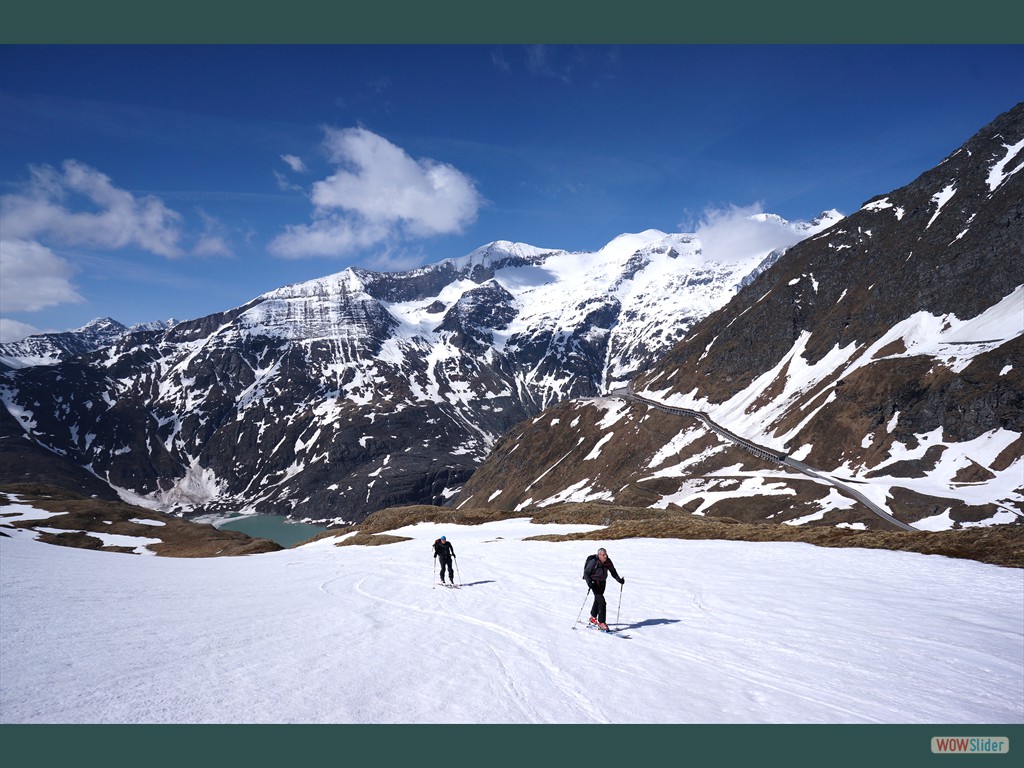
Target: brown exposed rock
[
  {"x": 973, "y": 473},
  {"x": 1011, "y": 453}
]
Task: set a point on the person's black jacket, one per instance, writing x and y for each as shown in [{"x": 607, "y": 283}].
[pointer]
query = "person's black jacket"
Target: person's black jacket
[
  {"x": 444, "y": 549},
  {"x": 598, "y": 571}
]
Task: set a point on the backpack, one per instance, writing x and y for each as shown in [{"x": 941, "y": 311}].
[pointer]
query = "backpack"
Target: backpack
[{"x": 589, "y": 566}]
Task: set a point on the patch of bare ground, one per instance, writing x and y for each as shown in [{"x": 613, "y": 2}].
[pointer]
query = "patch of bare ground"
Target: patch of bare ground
[
  {"x": 371, "y": 539},
  {"x": 1009, "y": 455},
  {"x": 76, "y": 517},
  {"x": 772, "y": 391},
  {"x": 973, "y": 473},
  {"x": 893, "y": 348},
  {"x": 996, "y": 545}
]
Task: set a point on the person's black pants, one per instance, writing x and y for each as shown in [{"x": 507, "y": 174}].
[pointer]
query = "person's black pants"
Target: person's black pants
[
  {"x": 446, "y": 562},
  {"x": 599, "y": 608}
]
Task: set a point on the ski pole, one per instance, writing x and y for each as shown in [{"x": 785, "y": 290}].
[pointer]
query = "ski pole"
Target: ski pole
[
  {"x": 581, "y": 608},
  {"x": 457, "y": 570},
  {"x": 433, "y": 576},
  {"x": 620, "y": 604}
]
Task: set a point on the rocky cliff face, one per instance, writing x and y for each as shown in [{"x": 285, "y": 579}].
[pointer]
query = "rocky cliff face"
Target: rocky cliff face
[
  {"x": 330, "y": 399},
  {"x": 886, "y": 350}
]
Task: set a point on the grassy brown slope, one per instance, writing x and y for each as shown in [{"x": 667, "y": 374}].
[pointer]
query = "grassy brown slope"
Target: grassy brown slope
[{"x": 996, "y": 545}]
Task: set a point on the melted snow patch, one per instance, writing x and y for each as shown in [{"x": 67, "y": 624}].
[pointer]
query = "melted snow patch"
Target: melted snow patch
[
  {"x": 883, "y": 204},
  {"x": 577, "y": 492},
  {"x": 748, "y": 486},
  {"x": 19, "y": 512},
  {"x": 671, "y": 448},
  {"x": 139, "y": 544},
  {"x": 940, "y": 199},
  {"x": 615, "y": 410},
  {"x": 548, "y": 470},
  {"x": 597, "y": 448},
  {"x": 998, "y": 173}
]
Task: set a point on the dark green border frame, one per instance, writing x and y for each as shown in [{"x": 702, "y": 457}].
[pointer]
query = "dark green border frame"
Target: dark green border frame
[
  {"x": 476, "y": 21},
  {"x": 793, "y": 746},
  {"x": 523, "y": 21}
]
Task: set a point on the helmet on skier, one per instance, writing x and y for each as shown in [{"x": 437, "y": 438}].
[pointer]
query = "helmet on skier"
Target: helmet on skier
[{"x": 443, "y": 539}]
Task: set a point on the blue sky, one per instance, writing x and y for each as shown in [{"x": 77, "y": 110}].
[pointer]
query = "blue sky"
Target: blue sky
[{"x": 150, "y": 182}]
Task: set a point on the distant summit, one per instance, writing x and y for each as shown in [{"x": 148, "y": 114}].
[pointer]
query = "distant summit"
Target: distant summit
[{"x": 52, "y": 348}]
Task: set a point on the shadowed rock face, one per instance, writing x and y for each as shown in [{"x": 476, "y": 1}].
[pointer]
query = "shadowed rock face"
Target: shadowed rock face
[{"x": 887, "y": 348}]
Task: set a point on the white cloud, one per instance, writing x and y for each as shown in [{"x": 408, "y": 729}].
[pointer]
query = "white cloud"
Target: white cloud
[
  {"x": 559, "y": 62},
  {"x": 284, "y": 184},
  {"x": 726, "y": 232},
  {"x": 212, "y": 245},
  {"x": 329, "y": 236},
  {"x": 78, "y": 205},
  {"x": 12, "y": 330},
  {"x": 395, "y": 260},
  {"x": 499, "y": 61},
  {"x": 33, "y": 277},
  {"x": 212, "y": 241},
  {"x": 295, "y": 163},
  {"x": 378, "y": 196}
]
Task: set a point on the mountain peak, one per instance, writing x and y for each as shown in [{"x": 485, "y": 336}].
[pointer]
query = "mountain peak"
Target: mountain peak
[
  {"x": 101, "y": 324},
  {"x": 497, "y": 250}
]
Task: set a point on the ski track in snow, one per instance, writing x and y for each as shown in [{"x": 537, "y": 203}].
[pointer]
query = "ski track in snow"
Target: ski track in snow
[
  {"x": 719, "y": 632},
  {"x": 531, "y": 647}
]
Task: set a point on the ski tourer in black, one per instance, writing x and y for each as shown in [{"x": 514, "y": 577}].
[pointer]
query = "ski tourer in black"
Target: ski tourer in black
[
  {"x": 596, "y": 572},
  {"x": 444, "y": 550}
]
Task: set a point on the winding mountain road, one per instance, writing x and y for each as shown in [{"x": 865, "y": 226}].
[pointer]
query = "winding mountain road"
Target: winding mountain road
[{"x": 761, "y": 451}]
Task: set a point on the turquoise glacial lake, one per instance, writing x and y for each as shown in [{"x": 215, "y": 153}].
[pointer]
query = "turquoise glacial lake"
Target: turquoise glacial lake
[{"x": 273, "y": 527}]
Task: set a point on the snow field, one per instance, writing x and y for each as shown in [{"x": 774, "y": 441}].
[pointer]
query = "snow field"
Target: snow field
[{"x": 719, "y": 632}]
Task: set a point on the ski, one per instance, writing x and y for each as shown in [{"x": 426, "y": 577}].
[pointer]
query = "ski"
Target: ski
[{"x": 617, "y": 632}]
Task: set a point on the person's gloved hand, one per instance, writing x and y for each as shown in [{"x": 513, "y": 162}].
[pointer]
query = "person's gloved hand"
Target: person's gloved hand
[{"x": 622, "y": 580}]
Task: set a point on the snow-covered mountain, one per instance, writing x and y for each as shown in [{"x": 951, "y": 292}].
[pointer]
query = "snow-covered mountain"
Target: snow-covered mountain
[
  {"x": 887, "y": 353},
  {"x": 51, "y": 348},
  {"x": 331, "y": 398}
]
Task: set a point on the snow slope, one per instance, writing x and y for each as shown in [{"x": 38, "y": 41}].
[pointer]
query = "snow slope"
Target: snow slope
[{"x": 718, "y": 632}]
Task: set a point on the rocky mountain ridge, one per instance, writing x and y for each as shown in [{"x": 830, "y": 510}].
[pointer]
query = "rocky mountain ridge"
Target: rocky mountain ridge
[
  {"x": 328, "y": 399},
  {"x": 52, "y": 348}
]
